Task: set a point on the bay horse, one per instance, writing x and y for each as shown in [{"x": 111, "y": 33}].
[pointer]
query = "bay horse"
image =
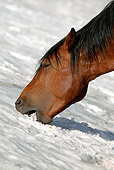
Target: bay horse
[{"x": 65, "y": 70}]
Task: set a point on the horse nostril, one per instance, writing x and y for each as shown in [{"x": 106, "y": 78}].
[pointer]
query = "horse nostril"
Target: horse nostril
[{"x": 19, "y": 102}]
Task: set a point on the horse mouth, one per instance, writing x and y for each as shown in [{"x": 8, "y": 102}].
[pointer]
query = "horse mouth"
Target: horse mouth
[
  {"x": 45, "y": 119},
  {"x": 38, "y": 114},
  {"x": 32, "y": 112}
]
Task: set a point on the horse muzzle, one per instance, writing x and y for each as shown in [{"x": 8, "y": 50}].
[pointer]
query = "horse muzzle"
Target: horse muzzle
[{"x": 41, "y": 117}]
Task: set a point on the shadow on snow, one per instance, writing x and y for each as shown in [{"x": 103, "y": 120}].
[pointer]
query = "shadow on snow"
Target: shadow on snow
[{"x": 68, "y": 124}]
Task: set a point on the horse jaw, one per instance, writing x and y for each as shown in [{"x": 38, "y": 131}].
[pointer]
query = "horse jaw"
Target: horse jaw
[{"x": 44, "y": 118}]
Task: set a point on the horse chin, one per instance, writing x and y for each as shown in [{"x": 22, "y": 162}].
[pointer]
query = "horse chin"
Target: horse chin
[{"x": 43, "y": 118}]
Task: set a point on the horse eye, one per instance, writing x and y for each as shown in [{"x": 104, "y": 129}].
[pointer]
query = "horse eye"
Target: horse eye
[{"x": 46, "y": 65}]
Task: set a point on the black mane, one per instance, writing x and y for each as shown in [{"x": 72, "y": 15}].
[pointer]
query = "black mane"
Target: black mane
[
  {"x": 93, "y": 37},
  {"x": 52, "y": 50},
  {"x": 91, "y": 40}
]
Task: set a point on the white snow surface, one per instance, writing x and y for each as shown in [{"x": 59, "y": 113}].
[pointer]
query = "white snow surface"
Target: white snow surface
[{"x": 81, "y": 137}]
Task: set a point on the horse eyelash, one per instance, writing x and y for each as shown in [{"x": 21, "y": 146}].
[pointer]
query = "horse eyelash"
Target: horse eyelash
[{"x": 46, "y": 65}]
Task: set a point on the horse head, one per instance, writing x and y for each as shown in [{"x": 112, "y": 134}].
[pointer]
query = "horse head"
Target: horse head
[{"x": 54, "y": 87}]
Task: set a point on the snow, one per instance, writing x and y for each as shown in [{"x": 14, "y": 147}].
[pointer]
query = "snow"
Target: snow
[{"x": 81, "y": 137}]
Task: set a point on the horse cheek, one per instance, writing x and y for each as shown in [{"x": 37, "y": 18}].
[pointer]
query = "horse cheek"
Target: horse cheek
[{"x": 61, "y": 86}]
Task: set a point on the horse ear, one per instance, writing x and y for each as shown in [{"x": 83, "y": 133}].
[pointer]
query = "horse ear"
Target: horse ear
[{"x": 70, "y": 39}]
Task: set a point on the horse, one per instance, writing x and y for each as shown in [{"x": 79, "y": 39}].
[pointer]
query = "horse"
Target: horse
[{"x": 64, "y": 72}]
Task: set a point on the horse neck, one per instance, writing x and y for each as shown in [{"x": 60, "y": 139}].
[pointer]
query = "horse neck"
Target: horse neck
[{"x": 102, "y": 66}]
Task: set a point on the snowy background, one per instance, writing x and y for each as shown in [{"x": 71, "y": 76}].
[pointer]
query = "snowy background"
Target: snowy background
[{"x": 82, "y": 137}]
